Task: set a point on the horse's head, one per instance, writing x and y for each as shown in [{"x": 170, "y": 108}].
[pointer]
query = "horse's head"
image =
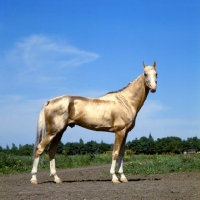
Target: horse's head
[{"x": 150, "y": 75}]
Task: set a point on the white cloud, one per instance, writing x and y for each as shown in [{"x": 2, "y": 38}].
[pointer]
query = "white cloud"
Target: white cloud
[
  {"x": 41, "y": 51},
  {"x": 40, "y": 59}
]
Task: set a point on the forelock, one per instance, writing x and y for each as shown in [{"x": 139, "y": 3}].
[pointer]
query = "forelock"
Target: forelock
[{"x": 148, "y": 68}]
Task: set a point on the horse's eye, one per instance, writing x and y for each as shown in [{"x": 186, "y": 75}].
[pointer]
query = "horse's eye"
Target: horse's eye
[{"x": 145, "y": 74}]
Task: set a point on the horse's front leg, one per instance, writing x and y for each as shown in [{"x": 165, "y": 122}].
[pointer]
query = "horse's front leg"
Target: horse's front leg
[
  {"x": 121, "y": 162},
  {"x": 119, "y": 138},
  {"x": 121, "y": 170}
]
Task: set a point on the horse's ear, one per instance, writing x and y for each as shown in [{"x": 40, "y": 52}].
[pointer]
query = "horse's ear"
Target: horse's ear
[
  {"x": 154, "y": 64},
  {"x": 143, "y": 64}
]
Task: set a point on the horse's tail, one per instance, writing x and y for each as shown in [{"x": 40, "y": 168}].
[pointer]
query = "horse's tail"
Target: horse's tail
[{"x": 41, "y": 128}]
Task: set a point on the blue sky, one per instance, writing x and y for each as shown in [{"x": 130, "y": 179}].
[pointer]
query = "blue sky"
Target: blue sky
[{"x": 89, "y": 48}]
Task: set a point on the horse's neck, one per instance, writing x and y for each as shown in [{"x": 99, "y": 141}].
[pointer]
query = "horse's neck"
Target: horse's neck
[
  {"x": 133, "y": 96},
  {"x": 136, "y": 93}
]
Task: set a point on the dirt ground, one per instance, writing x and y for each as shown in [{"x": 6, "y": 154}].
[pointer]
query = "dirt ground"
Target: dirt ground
[{"x": 95, "y": 183}]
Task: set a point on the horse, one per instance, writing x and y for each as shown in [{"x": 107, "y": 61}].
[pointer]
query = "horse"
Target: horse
[{"x": 114, "y": 112}]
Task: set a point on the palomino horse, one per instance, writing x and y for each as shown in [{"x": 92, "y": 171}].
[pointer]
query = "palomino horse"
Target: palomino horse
[{"x": 115, "y": 112}]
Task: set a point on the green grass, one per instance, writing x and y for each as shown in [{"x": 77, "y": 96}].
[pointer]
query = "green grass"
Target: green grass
[
  {"x": 13, "y": 164},
  {"x": 63, "y": 161},
  {"x": 159, "y": 164},
  {"x": 135, "y": 164}
]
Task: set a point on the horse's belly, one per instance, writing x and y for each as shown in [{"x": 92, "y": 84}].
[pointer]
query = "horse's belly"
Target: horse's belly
[
  {"x": 94, "y": 115},
  {"x": 94, "y": 123}
]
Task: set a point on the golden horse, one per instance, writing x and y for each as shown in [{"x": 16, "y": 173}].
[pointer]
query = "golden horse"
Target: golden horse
[{"x": 115, "y": 112}]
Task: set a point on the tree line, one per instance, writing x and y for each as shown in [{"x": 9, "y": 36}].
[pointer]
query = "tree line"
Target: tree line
[
  {"x": 144, "y": 145},
  {"x": 148, "y": 145}
]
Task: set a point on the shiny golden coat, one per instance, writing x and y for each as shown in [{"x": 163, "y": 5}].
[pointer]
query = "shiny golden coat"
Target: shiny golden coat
[{"x": 115, "y": 112}]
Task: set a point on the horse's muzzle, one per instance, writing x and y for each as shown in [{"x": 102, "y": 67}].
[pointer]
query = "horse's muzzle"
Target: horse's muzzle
[{"x": 152, "y": 89}]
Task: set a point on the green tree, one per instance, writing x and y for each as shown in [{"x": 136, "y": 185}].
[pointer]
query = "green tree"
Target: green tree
[
  {"x": 60, "y": 148},
  {"x": 169, "y": 144},
  {"x": 14, "y": 149},
  {"x": 103, "y": 147},
  {"x": 134, "y": 145},
  {"x": 26, "y": 150},
  {"x": 191, "y": 143},
  {"x": 92, "y": 147},
  {"x": 82, "y": 147},
  {"x": 150, "y": 145}
]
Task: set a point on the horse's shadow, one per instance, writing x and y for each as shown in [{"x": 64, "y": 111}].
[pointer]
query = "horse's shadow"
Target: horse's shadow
[{"x": 101, "y": 180}]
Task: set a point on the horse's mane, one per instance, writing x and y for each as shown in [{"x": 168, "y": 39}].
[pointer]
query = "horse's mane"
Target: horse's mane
[{"x": 120, "y": 90}]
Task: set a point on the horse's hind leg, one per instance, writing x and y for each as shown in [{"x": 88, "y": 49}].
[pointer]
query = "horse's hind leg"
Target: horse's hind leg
[
  {"x": 52, "y": 152},
  {"x": 39, "y": 150},
  {"x": 34, "y": 170}
]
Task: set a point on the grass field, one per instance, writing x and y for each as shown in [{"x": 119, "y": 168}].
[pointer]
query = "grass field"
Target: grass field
[{"x": 135, "y": 164}]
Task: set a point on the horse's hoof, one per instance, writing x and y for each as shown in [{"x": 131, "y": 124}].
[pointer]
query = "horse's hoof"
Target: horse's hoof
[
  {"x": 124, "y": 180},
  {"x": 58, "y": 181},
  {"x": 33, "y": 181},
  {"x": 115, "y": 181}
]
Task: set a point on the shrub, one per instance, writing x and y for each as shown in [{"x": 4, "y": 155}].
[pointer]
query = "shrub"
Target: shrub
[
  {"x": 158, "y": 164},
  {"x": 10, "y": 163}
]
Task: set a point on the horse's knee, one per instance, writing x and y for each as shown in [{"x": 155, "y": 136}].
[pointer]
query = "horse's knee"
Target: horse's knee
[
  {"x": 39, "y": 150},
  {"x": 115, "y": 155}
]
